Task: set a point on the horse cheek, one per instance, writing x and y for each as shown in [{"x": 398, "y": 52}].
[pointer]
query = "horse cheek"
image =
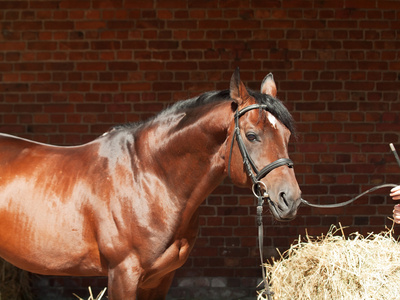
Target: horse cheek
[{"x": 238, "y": 174}]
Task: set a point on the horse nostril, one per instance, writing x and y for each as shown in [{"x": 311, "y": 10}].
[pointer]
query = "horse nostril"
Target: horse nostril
[{"x": 282, "y": 196}]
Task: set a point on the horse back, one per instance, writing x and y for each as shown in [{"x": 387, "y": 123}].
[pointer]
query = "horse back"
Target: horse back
[{"x": 46, "y": 200}]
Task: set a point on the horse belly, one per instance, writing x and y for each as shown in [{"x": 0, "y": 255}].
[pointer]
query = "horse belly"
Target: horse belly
[{"x": 45, "y": 235}]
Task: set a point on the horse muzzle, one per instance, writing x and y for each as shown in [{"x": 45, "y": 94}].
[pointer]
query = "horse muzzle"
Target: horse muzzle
[{"x": 284, "y": 208}]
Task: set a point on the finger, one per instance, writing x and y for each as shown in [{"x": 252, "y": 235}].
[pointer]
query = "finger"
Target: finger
[
  {"x": 396, "y": 218},
  {"x": 395, "y": 191},
  {"x": 396, "y": 188}
]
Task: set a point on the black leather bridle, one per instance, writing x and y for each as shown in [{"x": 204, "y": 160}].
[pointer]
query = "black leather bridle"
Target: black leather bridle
[{"x": 256, "y": 176}]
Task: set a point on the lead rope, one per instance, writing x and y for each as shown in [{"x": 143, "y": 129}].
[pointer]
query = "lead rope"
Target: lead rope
[
  {"x": 266, "y": 290},
  {"x": 335, "y": 205},
  {"x": 256, "y": 189}
]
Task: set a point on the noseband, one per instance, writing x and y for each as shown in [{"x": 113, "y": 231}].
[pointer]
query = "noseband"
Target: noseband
[{"x": 251, "y": 168}]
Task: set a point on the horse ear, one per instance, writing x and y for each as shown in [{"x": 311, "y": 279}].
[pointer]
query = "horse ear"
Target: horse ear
[
  {"x": 238, "y": 91},
  {"x": 268, "y": 85}
]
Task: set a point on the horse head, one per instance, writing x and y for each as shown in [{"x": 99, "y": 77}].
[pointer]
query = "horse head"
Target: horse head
[{"x": 257, "y": 148}]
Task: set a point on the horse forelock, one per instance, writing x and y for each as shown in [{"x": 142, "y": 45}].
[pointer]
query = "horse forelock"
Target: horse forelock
[{"x": 276, "y": 108}]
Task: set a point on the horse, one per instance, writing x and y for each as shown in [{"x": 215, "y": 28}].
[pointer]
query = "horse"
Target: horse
[{"x": 125, "y": 205}]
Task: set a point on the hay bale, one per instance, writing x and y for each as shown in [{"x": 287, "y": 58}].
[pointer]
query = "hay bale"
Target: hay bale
[
  {"x": 14, "y": 283},
  {"x": 336, "y": 267}
]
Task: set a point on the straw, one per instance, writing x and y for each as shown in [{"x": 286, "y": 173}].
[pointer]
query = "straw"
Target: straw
[
  {"x": 336, "y": 267},
  {"x": 99, "y": 296}
]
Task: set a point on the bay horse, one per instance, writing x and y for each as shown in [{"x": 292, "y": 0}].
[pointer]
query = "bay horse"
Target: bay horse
[{"x": 126, "y": 204}]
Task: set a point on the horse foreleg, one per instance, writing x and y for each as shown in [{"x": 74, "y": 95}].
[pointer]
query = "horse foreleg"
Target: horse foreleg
[
  {"x": 159, "y": 292},
  {"x": 158, "y": 278},
  {"x": 123, "y": 280}
]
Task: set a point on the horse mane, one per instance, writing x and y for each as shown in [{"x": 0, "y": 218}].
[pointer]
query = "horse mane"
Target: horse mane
[{"x": 274, "y": 106}]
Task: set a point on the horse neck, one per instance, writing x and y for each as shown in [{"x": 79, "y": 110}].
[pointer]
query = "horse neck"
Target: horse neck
[{"x": 188, "y": 153}]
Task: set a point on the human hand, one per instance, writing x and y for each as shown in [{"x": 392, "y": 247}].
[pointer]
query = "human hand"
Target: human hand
[
  {"x": 396, "y": 213},
  {"x": 395, "y": 194}
]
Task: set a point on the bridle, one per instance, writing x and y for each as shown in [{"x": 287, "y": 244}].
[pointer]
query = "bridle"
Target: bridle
[
  {"x": 250, "y": 166},
  {"x": 256, "y": 176}
]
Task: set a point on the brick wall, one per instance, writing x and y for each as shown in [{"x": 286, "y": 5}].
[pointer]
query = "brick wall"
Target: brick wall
[{"x": 71, "y": 69}]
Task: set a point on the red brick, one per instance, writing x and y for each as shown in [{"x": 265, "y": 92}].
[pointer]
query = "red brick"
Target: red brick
[
  {"x": 106, "y": 45},
  {"x": 75, "y": 4},
  {"x": 213, "y": 65},
  {"x": 41, "y": 46},
  {"x": 58, "y": 25},
  {"x": 202, "y": 4},
  {"x": 91, "y": 66},
  {"x": 136, "y": 86},
  {"x": 337, "y": 4},
  {"x": 133, "y": 44},
  {"x": 85, "y": 25},
  {"x": 182, "y": 65},
  {"x": 261, "y": 4},
  {"x": 196, "y": 44},
  {"x": 247, "y": 24},
  {"x": 167, "y": 86},
  {"x": 278, "y": 24},
  {"x": 128, "y": 66},
  {"x": 163, "y": 44},
  {"x": 12, "y": 46},
  {"x": 27, "y": 25},
  {"x": 309, "y": 65},
  {"x": 379, "y": 25},
  {"x": 75, "y": 89},
  {"x": 327, "y": 85},
  {"x": 342, "y": 24},
  {"x": 367, "y": 4},
  {"x": 13, "y": 5},
  {"x": 165, "y": 14},
  {"x": 187, "y": 24},
  {"x": 297, "y": 4}
]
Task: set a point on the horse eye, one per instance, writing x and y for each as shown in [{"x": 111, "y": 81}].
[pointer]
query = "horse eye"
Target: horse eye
[{"x": 251, "y": 136}]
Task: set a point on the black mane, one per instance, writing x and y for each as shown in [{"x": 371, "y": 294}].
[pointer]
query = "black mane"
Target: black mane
[{"x": 275, "y": 107}]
